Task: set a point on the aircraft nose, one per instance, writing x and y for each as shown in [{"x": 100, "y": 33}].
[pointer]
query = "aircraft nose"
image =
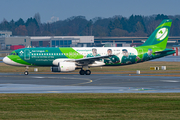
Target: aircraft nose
[{"x": 6, "y": 60}]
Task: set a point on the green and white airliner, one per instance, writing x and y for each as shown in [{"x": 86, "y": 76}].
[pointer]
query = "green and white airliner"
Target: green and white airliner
[{"x": 66, "y": 59}]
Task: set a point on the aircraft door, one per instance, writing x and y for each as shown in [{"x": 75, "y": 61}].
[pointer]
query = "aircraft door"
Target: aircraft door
[{"x": 26, "y": 54}]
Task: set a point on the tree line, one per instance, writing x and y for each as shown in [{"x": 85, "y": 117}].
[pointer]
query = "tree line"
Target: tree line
[{"x": 117, "y": 26}]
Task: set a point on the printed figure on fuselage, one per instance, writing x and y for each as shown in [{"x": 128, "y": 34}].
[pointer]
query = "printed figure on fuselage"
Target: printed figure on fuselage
[
  {"x": 148, "y": 55},
  {"x": 113, "y": 59},
  {"x": 129, "y": 59},
  {"x": 94, "y": 53}
]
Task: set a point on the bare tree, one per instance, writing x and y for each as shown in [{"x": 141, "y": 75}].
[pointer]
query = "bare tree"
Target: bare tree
[{"x": 38, "y": 18}]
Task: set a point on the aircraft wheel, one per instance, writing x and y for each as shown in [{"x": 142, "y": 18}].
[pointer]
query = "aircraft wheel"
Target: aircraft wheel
[
  {"x": 26, "y": 73},
  {"x": 81, "y": 72},
  {"x": 88, "y": 72}
]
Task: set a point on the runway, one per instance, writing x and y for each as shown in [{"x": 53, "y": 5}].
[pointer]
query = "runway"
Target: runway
[{"x": 95, "y": 83}]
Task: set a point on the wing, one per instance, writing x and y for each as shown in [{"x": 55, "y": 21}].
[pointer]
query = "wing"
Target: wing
[{"x": 89, "y": 60}]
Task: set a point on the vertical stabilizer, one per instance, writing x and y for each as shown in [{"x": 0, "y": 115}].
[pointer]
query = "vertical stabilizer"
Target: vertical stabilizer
[{"x": 160, "y": 36}]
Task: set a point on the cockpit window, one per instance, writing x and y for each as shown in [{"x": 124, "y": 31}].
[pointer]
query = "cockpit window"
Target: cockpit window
[{"x": 13, "y": 53}]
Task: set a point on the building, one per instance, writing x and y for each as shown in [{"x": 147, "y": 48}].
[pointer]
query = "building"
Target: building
[
  {"x": 132, "y": 41},
  {"x": 7, "y": 40},
  {"x": 62, "y": 41},
  {"x": 4, "y": 34},
  {"x": 46, "y": 41}
]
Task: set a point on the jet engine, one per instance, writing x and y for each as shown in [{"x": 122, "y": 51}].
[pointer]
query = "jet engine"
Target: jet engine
[{"x": 64, "y": 67}]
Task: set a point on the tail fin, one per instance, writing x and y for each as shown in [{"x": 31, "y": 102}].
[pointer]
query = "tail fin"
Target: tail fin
[{"x": 160, "y": 36}]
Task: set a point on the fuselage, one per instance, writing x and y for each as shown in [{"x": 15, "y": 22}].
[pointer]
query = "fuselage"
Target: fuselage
[{"x": 47, "y": 56}]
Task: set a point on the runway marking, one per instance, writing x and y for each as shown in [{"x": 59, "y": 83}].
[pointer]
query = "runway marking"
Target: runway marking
[
  {"x": 89, "y": 80},
  {"x": 54, "y": 91},
  {"x": 173, "y": 81},
  {"x": 38, "y": 77}
]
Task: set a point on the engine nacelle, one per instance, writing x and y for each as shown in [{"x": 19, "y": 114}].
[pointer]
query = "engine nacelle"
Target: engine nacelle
[{"x": 64, "y": 67}]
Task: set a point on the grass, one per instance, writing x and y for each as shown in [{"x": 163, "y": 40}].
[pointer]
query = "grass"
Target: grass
[
  {"x": 158, "y": 106},
  {"x": 172, "y": 67},
  {"x": 90, "y": 106}
]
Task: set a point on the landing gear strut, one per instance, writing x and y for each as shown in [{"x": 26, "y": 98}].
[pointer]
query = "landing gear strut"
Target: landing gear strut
[
  {"x": 26, "y": 72},
  {"x": 82, "y": 72}
]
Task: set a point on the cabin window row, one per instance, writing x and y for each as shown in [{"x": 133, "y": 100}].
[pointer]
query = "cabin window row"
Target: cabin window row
[
  {"x": 64, "y": 53},
  {"x": 54, "y": 54}
]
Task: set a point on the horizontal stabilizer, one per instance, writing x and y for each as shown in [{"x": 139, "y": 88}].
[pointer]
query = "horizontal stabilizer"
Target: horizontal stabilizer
[{"x": 164, "y": 51}]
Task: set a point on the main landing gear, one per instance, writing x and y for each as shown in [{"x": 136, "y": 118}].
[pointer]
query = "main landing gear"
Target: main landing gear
[
  {"x": 82, "y": 72},
  {"x": 26, "y": 72}
]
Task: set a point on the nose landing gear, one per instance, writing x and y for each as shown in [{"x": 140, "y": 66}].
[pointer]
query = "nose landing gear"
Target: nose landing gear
[{"x": 26, "y": 71}]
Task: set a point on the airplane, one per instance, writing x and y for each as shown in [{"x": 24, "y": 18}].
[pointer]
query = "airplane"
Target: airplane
[{"x": 67, "y": 59}]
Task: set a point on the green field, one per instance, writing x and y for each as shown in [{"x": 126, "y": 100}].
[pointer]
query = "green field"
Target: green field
[{"x": 90, "y": 106}]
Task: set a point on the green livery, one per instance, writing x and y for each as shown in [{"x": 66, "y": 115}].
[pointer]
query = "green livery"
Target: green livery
[
  {"x": 91, "y": 55},
  {"x": 112, "y": 60},
  {"x": 146, "y": 57},
  {"x": 69, "y": 59},
  {"x": 128, "y": 59}
]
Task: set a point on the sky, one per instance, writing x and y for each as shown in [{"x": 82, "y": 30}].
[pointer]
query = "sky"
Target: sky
[{"x": 53, "y": 10}]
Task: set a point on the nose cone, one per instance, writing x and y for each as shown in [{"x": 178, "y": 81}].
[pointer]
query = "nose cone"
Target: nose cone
[
  {"x": 7, "y": 60},
  {"x": 11, "y": 62}
]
